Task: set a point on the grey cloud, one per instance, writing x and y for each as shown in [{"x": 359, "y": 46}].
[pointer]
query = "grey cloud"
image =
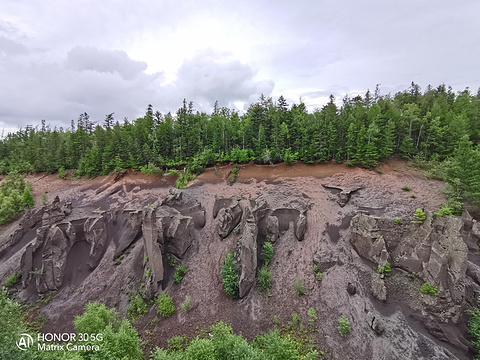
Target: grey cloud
[
  {"x": 107, "y": 61},
  {"x": 11, "y": 47},
  {"x": 211, "y": 76},
  {"x": 99, "y": 81}
]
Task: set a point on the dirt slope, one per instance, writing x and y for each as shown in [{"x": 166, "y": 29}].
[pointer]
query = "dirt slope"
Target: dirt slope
[{"x": 327, "y": 240}]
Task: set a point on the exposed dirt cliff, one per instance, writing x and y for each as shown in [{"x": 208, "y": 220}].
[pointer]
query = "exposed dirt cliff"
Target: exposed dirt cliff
[{"x": 103, "y": 238}]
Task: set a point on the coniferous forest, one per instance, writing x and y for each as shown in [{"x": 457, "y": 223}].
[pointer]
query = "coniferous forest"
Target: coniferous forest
[{"x": 432, "y": 125}]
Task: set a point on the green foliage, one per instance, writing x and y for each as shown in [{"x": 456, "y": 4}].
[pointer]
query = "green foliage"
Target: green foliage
[
  {"x": 172, "y": 261},
  {"x": 184, "y": 178},
  {"x": 386, "y": 269},
  {"x": 344, "y": 327},
  {"x": 406, "y": 188},
  {"x": 264, "y": 278},
  {"x": 177, "y": 344},
  {"x": 230, "y": 276},
  {"x": 474, "y": 328},
  {"x": 234, "y": 174},
  {"x": 450, "y": 208},
  {"x": 95, "y": 318},
  {"x": 186, "y": 305},
  {"x": 312, "y": 317},
  {"x": 165, "y": 305},
  {"x": 429, "y": 289},
  {"x": 15, "y": 192},
  {"x": 289, "y": 156},
  {"x": 299, "y": 287},
  {"x": 13, "y": 280},
  {"x": 148, "y": 273},
  {"x": 419, "y": 217},
  {"x": 180, "y": 272},
  {"x": 267, "y": 252},
  {"x": 137, "y": 307},
  {"x": 62, "y": 173},
  {"x": 44, "y": 199},
  {"x": 397, "y": 221},
  {"x": 318, "y": 273},
  {"x": 150, "y": 169},
  {"x": 117, "y": 261}
]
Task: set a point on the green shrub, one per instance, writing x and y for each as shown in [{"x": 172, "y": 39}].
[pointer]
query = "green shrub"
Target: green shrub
[
  {"x": 180, "y": 272},
  {"x": 450, "y": 208},
  {"x": 137, "y": 307},
  {"x": 177, "y": 344},
  {"x": 299, "y": 287},
  {"x": 397, "y": 221},
  {"x": 264, "y": 278},
  {"x": 312, "y": 317},
  {"x": 230, "y": 276},
  {"x": 344, "y": 327},
  {"x": 318, "y": 276},
  {"x": 289, "y": 156},
  {"x": 151, "y": 168},
  {"x": 148, "y": 273},
  {"x": 406, "y": 188},
  {"x": 171, "y": 260},
  {"x": 13, "y": 280},
  {"x": 15, "y": 192},
  {"x": 200, "y": 349},
  {"x": 429, "y": 289},
  {"x": 62, "y": 173},
  {"x": 234, "y": 174},
  {"x": 186, "y": 305},
  {"x": 386, "y": 269},
  {"x": 419, "y": 217},
  {"x": 267, "y": 252},
  {"x": 117, "y": 261},
  {"x": 165, "y": 305},
  {"x": 474, "y": 328}
]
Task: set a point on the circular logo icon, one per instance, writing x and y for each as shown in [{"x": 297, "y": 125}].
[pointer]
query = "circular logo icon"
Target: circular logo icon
[{"x": 24, "y": 342}]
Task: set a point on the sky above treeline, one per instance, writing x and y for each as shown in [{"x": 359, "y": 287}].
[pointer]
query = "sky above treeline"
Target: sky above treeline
[{"x": 62, "y": 58}]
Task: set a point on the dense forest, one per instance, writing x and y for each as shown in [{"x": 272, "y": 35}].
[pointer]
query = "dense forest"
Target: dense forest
[{"x": 433, "y": 125}]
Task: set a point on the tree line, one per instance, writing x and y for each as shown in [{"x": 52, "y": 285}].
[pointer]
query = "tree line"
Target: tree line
[
  {"x": 432, "y": 125},
  {"x": 362, "y": 131}
]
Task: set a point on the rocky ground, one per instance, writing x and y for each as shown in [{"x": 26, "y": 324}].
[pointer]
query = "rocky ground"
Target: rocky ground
[{"x": 346, "y": 221}]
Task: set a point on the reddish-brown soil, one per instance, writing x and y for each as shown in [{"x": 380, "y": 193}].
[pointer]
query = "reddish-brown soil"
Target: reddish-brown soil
[{"x": 292, "y": 258}]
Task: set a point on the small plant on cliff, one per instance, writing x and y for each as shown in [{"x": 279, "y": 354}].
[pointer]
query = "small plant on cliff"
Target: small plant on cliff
[
  {"x": 474, "y": 328},
  {"x": 299, "y": 287},
  {"x": 165, "y": 305},
  {"x": 386, "y": 269},
  {"x": 264, "y": 278},
  {"x": 171, "y": 260},
  {"x": 419, "y": 216},
  {"x": 148, "y": 274},
  {"x": 137, "y": 307},
  {"x": 318, "y": 273},
  {"x": 397, "y": 221},
  {"x": 230, "y": 276},
  {"x": 312, "y": 316},
  {"x": 344, "y": 327},
  {"x": 13, "y": 280},
  {"x": 187, "y": 304},
  {"x": 406, "y": 188},
  {"x": 267, "y": 252},
  {"x": 180, "y": 272},
  {"x": 234, "y": 174},
  {"x": 429, "y": 289}
]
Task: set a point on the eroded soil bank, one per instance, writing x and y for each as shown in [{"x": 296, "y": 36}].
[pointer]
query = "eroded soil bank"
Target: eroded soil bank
[{"x": 341, "y": 219}]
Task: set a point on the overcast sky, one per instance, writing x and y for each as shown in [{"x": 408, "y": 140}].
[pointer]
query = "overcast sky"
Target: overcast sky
[{"x": 60, "y": 58}]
